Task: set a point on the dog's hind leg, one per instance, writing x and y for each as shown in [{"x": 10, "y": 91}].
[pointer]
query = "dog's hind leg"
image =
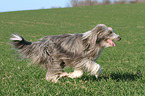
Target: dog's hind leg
[
  {"x": 63, "y": 74},
  {"x": 55, "y": 71},
  {"x": 76, "y": 74},
  {"x": 51, "y": 77}
]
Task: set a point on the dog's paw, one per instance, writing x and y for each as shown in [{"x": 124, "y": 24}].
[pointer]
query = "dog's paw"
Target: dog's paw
[
  {"x": 96, "y": 76},
  {"x": 64, "y": 74}
]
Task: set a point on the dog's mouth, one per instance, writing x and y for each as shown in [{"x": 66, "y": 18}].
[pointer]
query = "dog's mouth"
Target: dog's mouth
[{"x": 111, "y": 43}]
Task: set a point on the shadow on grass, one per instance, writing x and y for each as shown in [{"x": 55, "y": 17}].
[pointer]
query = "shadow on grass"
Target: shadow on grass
[
  {"x": 125, "y": 76},
  {"x": 115, "y": 76},
  {"x": 93, "y": 78}
]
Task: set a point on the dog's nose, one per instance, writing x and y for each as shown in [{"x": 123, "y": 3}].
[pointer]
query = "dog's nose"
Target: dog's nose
[{"x": 119, "y": 38}]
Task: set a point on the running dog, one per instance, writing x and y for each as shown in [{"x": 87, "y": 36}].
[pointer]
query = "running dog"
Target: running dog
[{"x": 79, "y": 51}]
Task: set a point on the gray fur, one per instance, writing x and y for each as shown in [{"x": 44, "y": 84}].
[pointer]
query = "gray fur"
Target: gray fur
[{"x": 56, "y": 52}]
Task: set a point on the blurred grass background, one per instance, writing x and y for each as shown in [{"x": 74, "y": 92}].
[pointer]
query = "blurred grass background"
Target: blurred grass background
[{"x": 123, "y": 66}]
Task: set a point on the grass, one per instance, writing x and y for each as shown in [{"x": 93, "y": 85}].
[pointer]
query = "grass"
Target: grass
[{"x": 123, "y": 66}]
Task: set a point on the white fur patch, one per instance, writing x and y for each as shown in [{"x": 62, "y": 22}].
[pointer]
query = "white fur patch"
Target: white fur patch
[
  {"x": 76, "y": 73},
  {"x": 99, "y": 71},
  {"x": 16, "y": 37},
  {"x": 93, "y": 67}
]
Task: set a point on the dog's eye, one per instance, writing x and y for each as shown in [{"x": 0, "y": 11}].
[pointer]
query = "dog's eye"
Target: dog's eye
[{"x": 110, "y": 32}]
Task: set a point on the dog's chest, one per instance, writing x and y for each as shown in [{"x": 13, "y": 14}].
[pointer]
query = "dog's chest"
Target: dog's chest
[{"x": 97, "y": 54}]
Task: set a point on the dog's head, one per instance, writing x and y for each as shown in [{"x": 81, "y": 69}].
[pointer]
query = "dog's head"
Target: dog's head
[{"x": 105, "y": 35}]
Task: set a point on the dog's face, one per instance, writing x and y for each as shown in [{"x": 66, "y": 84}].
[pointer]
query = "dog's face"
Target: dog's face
[
  {"x": 110, "y": 36},
  {"x": 106, "y": 35}
]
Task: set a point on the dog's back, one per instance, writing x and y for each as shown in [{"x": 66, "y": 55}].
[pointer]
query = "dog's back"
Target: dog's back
[{"x": 50, "y": 47}]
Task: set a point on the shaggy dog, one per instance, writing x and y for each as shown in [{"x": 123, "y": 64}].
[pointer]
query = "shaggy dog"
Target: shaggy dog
[{"x": 79, "y": 51}]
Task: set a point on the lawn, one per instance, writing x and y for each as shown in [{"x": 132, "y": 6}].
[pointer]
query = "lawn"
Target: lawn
[{"x": 123, "y": 66}]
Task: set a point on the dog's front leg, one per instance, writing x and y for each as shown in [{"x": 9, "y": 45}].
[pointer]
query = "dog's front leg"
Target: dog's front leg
[{"x": 93, "y": 67}]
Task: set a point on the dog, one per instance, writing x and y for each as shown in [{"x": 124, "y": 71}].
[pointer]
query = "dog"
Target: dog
[{"x": 79, "y": 51}]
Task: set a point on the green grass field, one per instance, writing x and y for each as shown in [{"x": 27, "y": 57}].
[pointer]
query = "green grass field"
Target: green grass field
[{"x": 123, "y": 66}]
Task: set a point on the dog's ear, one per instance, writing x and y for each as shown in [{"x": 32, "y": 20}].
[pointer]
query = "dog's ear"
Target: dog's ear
[
  {"x": 94, "y": 34},
  {"x": 99, "y": 28}
]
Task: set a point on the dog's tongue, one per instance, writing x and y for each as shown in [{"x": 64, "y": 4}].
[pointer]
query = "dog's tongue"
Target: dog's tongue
[{"x": 111, "y": 42}]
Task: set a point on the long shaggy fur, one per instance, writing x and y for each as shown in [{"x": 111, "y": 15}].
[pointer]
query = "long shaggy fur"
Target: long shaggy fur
[{"x": 75, "y": 50}]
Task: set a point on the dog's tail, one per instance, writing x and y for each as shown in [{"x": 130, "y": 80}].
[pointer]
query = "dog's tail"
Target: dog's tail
[
  {"x": 24, "y": 48},
  {"x": 18, "y": 42},
  {"x": 31, "y": 50}
]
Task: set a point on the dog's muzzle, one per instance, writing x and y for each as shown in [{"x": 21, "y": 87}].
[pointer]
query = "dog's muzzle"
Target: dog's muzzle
[{"x": 119, "y": 38}]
